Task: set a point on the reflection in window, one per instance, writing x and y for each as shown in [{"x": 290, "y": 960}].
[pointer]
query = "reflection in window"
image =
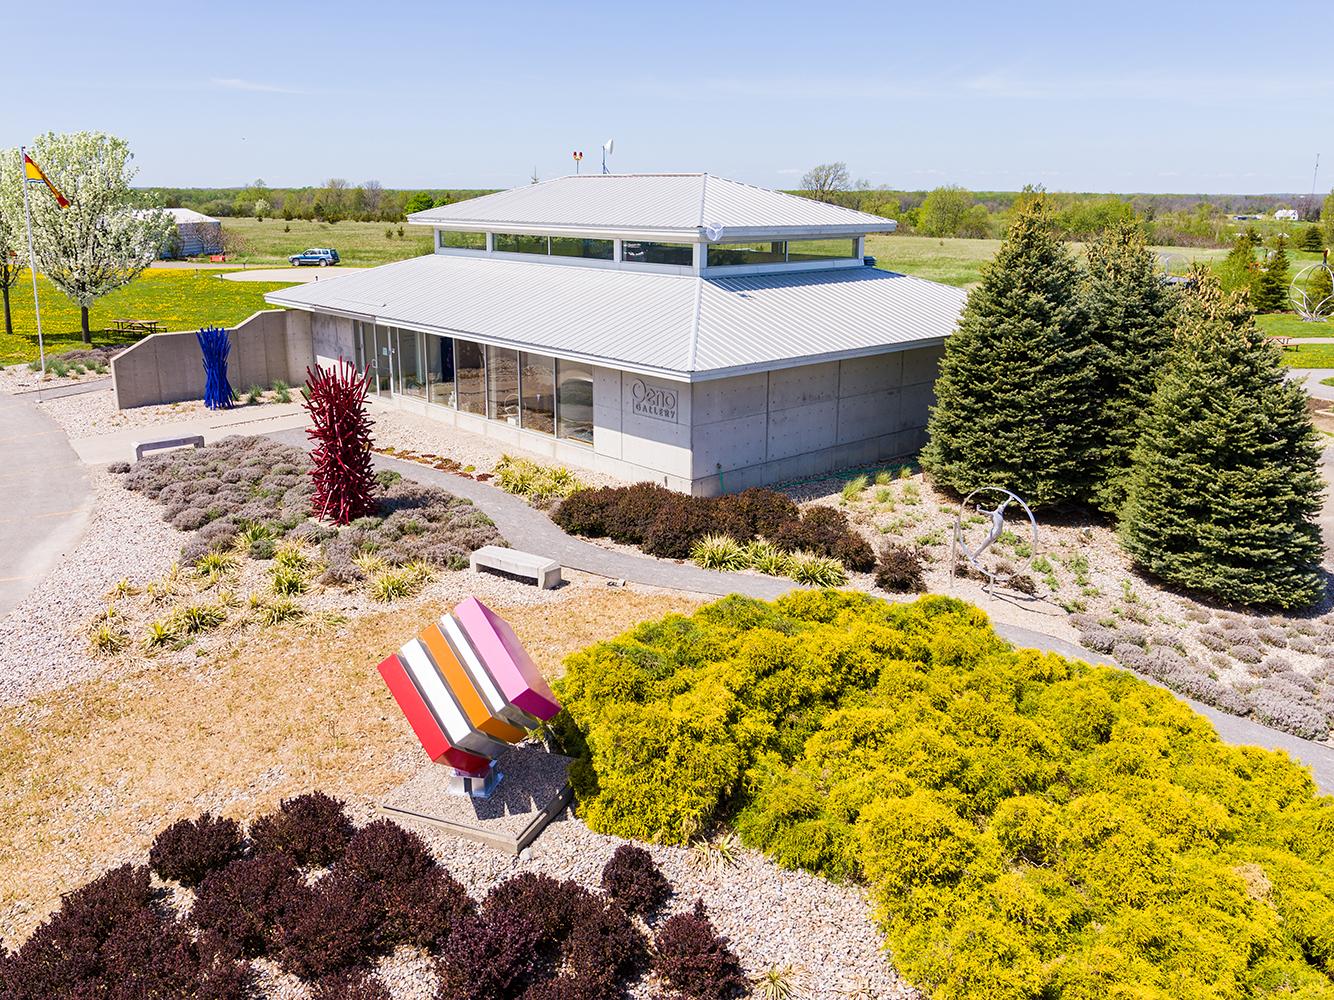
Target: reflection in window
[
  {"x": 470, "y": 372},
  {"x": 574, "y": 401},
  {"x": 462, "y": 241},
  {"x": 517, "y": 243},
  {"x": 656, "y": 253},
  {"x": 570, "y": 246},
  {"x": 537, "y": 384},
  {"x": 440, "y": 370},
  {"x": 821, "y": 249},
  {"x": 411, "y": 364},
  {"x": 737, "y": 254},
  {"x": 502, "y": 384}
]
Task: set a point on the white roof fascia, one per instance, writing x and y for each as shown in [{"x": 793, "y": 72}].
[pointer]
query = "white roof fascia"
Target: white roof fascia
[
  {"x": 810, "y": 359},
  {"x": 596, "y": 360},
  {"x": 696, "y": 235}
]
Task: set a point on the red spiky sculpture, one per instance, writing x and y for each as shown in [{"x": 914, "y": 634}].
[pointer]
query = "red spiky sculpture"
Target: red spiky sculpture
[{"x": 344, "y": 482}]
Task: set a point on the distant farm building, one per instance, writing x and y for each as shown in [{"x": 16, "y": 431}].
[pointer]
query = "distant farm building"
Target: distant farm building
[
  {"x": 1286, "y": 215},
  {"x": 195, "y": 236}
]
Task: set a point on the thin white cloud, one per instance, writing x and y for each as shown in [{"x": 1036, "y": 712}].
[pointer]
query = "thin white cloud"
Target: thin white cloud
[{"x": 253, "y": 86}]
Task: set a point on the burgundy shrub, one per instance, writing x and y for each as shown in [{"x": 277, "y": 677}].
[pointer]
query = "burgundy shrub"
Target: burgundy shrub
[
  {"x": 244, "y": 902},
  {"x": 633, "y": 880},
  {"x": 189, "y": 850},
  {"x": 355, "y": 985},
  {"x": 423, "y": 911},
  {"x": 328, "y": 928},
  {"x": 693, "y": 959},
  {"x": 384, "y": 852},
  {"x": 342, "y": 475},
  {"x": 312, "y": 828},
  {"x": 484, "y": 960}
]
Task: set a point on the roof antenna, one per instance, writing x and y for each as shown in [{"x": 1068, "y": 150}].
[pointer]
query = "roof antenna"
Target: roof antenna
[{"x": 607, "y": 148}]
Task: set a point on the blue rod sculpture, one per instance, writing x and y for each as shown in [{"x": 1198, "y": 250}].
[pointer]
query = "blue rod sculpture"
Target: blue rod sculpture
[{"x": 215, "y": 344}]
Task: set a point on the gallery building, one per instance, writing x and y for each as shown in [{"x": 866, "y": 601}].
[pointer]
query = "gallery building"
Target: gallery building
[{"x": 681, "y": 328}]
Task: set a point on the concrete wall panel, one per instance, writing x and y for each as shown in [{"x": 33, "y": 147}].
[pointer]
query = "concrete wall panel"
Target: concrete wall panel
[
  {"x": 799, "y": 429},
  {"x": 869, "y": 415},
  {"x": 921, "y": 365},
  {"x": 729, "y": 398},
  {"x": 875, "y": 374},
  {"x": 803, "y": 386}
]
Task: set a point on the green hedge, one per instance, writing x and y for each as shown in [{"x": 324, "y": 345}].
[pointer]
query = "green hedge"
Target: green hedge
[{"x": 1029, "y": 826}]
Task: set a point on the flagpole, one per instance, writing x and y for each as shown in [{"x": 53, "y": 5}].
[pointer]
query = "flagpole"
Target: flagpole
[{"x": 32, "y": 258}]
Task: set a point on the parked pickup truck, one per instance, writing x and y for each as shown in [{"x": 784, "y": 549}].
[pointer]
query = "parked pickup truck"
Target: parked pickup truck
[{"x": 316, "y": 255}]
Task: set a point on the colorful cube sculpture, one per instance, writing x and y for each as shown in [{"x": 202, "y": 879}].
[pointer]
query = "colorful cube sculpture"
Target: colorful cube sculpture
[{"x": 469, "y": 691}]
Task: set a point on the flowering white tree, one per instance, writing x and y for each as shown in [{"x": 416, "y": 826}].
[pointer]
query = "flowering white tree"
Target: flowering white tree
[
  {"x": 104, "y": 239},
  {"x": 13, "y": 241}
]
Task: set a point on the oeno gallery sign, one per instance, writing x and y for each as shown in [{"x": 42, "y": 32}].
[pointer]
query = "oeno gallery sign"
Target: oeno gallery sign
[{"x": 648, "y": 399}]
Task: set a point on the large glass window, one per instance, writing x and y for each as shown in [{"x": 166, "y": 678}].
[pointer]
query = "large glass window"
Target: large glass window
[
  {"x": 537, "y": 385},
  {"x": 364, "y": 335},
  {"x": 502, "y": 384},
  {"x": 572, "y": 246},
  {"x": 798, "y": 250},
  {"x": 737, "y": 254},
  {"x": 657, "y": 253},
  {"x": 411, "y": 374},
  {"x": 470, "y": 372},
  {"x": 462, "y": 241},
  {"x": 440, "y": 370},
  {"x": 518, "y": 243},
  {"x": 574, "y": 401}
]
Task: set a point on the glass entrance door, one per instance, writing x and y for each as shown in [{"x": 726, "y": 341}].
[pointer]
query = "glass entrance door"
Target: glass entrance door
[{"x": 384, "y": 360}]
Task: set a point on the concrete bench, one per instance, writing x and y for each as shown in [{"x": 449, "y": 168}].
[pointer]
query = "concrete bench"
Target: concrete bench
[
  {"x": 141, "y": 447},
  {"x": 541, "y": 570}
]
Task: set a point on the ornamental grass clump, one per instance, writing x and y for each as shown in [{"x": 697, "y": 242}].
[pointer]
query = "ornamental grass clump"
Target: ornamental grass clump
[
  {"x": 720, "y": 552},
  {"x": 1026, "y": 825},
  {"x": 540, "y": 485}
]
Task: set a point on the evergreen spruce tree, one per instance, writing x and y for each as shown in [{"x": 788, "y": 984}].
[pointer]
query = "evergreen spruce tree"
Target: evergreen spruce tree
[
  {"x": 1014, "y": 405},
  {"x": 1226, "y": 481},
  {"x": 1238, "y": 269},
  {"x": 1269, "y": 292},
  {"x": 1129, "y": 321},
  {"x": 1311, "y": 239}
]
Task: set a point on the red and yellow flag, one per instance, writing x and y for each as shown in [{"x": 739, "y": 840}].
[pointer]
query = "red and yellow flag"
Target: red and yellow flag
[{"x": 34, "y": 173}]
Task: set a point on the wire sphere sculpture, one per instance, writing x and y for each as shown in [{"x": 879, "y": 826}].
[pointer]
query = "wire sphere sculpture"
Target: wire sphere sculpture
[
  {"x": 1173, "y": 268},
  {"x": 986, "y": 507},
  {"x": 1312, "y": 292}
]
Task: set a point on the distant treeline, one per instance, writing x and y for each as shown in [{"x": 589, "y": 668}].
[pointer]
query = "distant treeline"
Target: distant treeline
[
  {"x": 333, "y": 201},
  {"x": 1168, "y": 219}
]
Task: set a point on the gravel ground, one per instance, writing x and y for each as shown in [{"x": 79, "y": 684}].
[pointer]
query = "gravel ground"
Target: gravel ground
[
  {"x": 42, "y": 640},
  {"x": 396, "y": 429},
  {"x": 19, "y": 378},
  {"x": 89, "y": 414}
]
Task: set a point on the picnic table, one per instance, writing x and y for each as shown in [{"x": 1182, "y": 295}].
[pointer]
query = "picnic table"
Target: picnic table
[{"x": 124, "y": 325}]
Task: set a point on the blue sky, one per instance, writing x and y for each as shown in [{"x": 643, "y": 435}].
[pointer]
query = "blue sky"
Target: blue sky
[{"x": 1186, "y": 97}]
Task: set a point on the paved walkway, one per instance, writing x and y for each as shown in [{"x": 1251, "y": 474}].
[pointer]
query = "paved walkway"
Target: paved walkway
[
  {"x": 45, "y": 499},
  {"x": 532, "y": 531},
  {"x": 118, "y": 446}
]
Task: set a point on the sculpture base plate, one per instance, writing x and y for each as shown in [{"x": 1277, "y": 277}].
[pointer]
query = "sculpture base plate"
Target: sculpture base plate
[{"x": 534, "y": 791}]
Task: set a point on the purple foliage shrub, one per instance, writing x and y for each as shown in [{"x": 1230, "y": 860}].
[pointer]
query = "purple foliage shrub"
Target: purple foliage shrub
[
  {"x": 244, "y": 903},
  {"x": 189, "y": 850},
  {"x": 313, "y": 829},
  {"x": 632, "y": 879},
  {"x": 693, "y": 959}
]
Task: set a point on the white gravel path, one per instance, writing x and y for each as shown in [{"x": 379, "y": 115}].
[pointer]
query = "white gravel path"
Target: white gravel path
[{"x": 42, "y": 640}]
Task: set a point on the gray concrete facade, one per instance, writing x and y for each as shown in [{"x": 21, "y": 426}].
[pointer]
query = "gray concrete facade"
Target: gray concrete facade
[
  {"x": 168, "y": 368},
  {"x": 707, "y": 437}
]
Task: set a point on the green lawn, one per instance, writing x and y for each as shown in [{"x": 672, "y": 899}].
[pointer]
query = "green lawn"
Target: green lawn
[
  {"x": 181, "y": 299},
  {"x": 1310, "y": 356},
  {"x": 359, "y": 244},
  {"x": 959, "y": 262},
  {"x": 1292, "y": 325}
]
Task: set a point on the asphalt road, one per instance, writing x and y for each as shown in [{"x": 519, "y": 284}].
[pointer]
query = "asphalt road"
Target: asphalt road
[{"x": 45, "y": 497}]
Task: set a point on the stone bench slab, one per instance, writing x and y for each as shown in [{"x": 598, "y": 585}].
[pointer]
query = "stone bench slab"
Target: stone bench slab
[
  {"x": 191, "y": 441},
  {"x": 546, "y": 572}
]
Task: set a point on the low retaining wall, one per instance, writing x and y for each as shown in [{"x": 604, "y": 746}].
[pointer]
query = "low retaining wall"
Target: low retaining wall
[{"x": 168, "y": 367}]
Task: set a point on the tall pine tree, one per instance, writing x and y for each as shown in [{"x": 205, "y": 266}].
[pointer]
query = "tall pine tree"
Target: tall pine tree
[
  {"x": 1226, "y": 481},
  {"x": 1129, "y": 321},
  {"x": 1238, "y": 269},
  {"x": 1269, "y": 291},
  {"x": 1014, "y": 404}
]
